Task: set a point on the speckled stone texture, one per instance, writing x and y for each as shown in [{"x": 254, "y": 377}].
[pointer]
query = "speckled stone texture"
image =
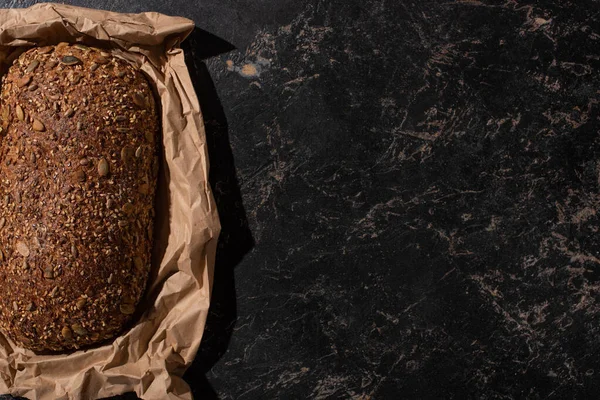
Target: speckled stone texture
[{"x": 409, "y": 194}]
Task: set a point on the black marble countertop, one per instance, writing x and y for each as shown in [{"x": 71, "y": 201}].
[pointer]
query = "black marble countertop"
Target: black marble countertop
[{"x": 409, "y": 193}]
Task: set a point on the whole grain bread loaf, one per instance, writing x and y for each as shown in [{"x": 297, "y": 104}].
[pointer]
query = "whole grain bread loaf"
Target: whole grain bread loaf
[{"x": 78, "y": 166}]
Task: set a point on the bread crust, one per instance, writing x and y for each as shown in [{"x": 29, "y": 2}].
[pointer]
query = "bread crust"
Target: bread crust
[{"x": 78, "y": 165}]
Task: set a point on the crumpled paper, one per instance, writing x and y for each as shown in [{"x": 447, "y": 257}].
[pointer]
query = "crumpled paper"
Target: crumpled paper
[{"x": 151, "y": 357}]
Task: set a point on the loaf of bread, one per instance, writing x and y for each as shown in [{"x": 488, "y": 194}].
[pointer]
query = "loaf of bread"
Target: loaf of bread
[{"x": 78, "y": 167}]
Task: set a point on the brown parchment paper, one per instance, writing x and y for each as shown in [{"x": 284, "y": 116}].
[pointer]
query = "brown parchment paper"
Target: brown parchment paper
[{"x": 151, "y": 357}]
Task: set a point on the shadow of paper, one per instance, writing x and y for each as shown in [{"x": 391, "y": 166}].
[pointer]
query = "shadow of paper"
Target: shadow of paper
[{"x": 236, "y": 239}]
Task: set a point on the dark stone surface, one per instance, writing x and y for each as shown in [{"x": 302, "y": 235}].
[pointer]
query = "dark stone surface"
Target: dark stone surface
[{"x": 409, "y": 194}]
